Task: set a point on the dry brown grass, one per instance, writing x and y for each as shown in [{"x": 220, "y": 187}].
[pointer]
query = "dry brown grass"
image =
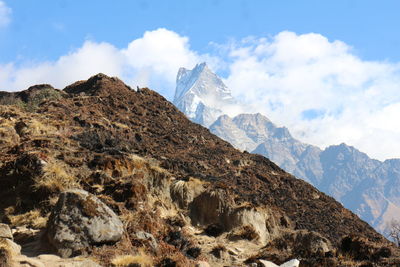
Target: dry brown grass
[
  {"x": 31, "y": 218},
  {"x": 8, "y": 136},
  {"x": 246, "y": 232},
  {"x": 142, "y": 259},
  {"x": 56, "y": 178},
  {"x": 38, "y": 128}
]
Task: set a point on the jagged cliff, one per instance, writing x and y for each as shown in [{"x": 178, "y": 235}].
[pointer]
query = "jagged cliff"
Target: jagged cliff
[{"x": 183, "y": 195}]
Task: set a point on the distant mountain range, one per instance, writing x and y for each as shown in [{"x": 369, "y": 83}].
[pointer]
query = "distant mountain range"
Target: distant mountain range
[{"x": 368, "y": 187}]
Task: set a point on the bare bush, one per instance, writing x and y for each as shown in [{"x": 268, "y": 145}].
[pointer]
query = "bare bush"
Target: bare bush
[{"x": 394, "y": 231}]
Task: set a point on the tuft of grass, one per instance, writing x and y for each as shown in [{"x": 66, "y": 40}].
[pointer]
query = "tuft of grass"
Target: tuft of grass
[
  {"x": 31, "y": 218},
  {"x": 141, "y": 259},
  {"x": 37, "y": 128},
  {"x": 55, "y": 178}
]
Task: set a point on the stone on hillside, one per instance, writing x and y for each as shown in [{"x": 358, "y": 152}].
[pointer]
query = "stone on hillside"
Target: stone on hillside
[
  {"x": 268, "y": 263},
  {"x": 79, "y": 220},
  {"x": 5, "y": 231},
  {"x": 149, "y": 237},
  {"x": 12, "y": 247},
  {"x": 202, "y": 264},
  {"x": 291, "y": 263}
]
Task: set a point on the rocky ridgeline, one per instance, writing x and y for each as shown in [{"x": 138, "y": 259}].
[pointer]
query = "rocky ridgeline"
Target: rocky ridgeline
[{"x": 102, "y": 175}]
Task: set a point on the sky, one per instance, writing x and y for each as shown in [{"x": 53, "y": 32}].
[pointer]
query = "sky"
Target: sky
[{"x": 327, "y": 70}]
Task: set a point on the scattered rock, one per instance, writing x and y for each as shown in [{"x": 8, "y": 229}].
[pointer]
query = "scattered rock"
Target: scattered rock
[
  {"x": 202, "y": 264},
  {"x": 80, "y": 219},
  {"x": 10, "y": 246},
  {"x": 23, "y": 235},
  {"x": 54, "y": 261},
  {"x": 291, "y": 263},
  {"x": 149, "y": 237},
  {"x": 268, "y": 263},
  {"x": 5, "y": 231}
]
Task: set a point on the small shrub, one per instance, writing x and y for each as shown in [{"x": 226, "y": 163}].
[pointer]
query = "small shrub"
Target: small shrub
[
  {"x": 214, "y": 230},
  {"x": 218, "y": 250},
  {"x": 246, "y": 232},
  {"x": 141, "y": 260}
]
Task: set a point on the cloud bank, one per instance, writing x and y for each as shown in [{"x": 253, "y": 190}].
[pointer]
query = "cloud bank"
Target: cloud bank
[
  {"x": 5, "y": 14},
  {"x": 152, "y": 60},
  {"x": 320, "y": 89}
]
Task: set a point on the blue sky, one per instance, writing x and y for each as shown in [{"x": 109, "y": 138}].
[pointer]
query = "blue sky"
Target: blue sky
[
  {"x": 42, "y": 30},
  {"x": 328, "y": 70}
]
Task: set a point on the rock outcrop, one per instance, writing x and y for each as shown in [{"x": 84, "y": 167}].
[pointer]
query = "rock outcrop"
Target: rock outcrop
[{"x": 79, "y": 220}]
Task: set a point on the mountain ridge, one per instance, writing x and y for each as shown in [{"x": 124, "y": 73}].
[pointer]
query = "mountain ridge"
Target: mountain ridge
[{"x": 337, "y": 170}]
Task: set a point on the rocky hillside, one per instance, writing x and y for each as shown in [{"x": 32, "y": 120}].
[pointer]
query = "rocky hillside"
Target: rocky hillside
[
  {"x": 103, "y": 175},
  {"x": 367, "y": 187}
]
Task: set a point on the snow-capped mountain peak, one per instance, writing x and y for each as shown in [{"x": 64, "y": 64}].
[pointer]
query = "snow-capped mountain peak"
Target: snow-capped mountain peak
[{"x": 201, "y": 94}]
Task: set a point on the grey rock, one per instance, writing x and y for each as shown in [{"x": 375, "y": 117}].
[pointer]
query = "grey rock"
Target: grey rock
[
  {"x": 79, "y": 220},
  {"x": 149, "y": 237},
  {"x": 5, "y": 231},
  {"x": 266, "y": 263}
]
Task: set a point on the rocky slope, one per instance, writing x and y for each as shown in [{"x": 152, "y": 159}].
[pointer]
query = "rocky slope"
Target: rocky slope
[
  {"x": 98, "y": 153},
  {"x": 366, "y": 186}
]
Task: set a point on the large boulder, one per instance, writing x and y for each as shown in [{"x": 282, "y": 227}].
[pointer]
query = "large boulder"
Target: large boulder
[
  {"x": 80, "y": 220},
  {"x": 5, "y": 231}
]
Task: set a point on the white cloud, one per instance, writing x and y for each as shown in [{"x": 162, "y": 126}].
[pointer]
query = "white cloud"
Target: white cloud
[
  {"x": 152, "y": 61},
  {"x": 5, "y": 14},
  {"x": 318, "y": 88},
  {"x": 156, "y": 57},
  {"x": 90, "y": 59},
  {"x": 292, "y": 76}
]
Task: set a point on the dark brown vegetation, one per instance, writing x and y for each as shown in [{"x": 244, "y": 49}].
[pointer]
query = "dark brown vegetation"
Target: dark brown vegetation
[{"x": 85, "y": 136}]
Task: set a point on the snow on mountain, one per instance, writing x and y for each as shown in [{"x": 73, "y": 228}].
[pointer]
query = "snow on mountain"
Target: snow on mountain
[
  {"x": 257, "y": 134},
  {"x": 202, "y": 95},
  {"x": 368, "y": 187}
]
